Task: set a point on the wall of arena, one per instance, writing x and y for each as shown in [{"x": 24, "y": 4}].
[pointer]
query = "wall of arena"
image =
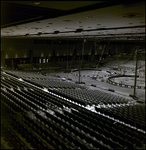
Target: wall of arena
[{"x": 21, "y": 48}]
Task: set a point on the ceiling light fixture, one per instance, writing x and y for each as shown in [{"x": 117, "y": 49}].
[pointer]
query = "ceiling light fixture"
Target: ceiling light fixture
[{"x": 36, "y": 3}]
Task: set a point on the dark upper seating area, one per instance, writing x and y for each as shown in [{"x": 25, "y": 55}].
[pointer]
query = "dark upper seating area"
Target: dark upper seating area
[
  {"x": 59, "y": 118},
  {"x": 53, "y": 65}
]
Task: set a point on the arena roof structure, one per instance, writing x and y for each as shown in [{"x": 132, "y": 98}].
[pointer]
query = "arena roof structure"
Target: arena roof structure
[{"x": 100, "y": 20}]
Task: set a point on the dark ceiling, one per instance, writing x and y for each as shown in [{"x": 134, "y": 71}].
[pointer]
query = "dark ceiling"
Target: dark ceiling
[{"x": 118, "y": 20}]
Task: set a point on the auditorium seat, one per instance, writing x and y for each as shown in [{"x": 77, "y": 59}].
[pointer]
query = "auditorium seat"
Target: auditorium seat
[{"x": 80, "y": 128}]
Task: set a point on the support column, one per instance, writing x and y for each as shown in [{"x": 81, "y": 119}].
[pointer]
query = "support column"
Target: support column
[{"x": 135, "y": 76}]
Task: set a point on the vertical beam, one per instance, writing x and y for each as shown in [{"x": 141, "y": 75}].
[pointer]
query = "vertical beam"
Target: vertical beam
[
  {"x": 134, "y": 93},
  {"x": 67, "y": 55},
  {"x": 79, "y": 69},
  {"x": 80, "y": 59},
  {"x": 101, "y": 57}
]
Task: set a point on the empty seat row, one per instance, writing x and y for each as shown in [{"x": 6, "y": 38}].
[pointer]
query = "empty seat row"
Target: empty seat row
[
  {"x": 130, "y": 117},
  {"x": 81, "y": 127}
]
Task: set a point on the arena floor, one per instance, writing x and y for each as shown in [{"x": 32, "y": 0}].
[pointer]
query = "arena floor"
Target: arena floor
[
  {"x": 103, "y": 85},
  {"x": 129, "y": 81}
]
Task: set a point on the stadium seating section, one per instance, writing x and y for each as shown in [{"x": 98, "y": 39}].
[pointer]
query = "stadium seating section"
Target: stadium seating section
[{"x": 60, "y": 118}]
